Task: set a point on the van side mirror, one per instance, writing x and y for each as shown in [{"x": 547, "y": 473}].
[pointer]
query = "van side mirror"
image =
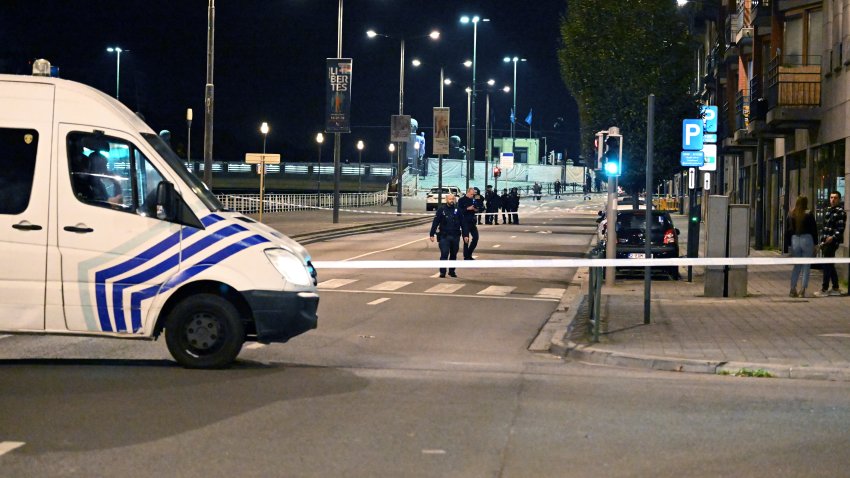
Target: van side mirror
[{"x": 166, "y": 201}]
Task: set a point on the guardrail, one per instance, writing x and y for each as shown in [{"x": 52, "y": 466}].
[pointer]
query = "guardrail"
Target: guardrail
[{"x": 250, "y": 203}]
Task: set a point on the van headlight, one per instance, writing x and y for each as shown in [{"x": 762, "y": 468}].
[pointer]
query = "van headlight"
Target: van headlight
[{"x": 290, "y": 266}]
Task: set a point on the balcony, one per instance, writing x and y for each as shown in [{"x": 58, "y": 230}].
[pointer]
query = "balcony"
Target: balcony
[
  {"x": 742, "y": 109},
  {"x": 741, "y": 31},
  {"x": 760, "y": 13},
  {"x": 793, "y": 86}
]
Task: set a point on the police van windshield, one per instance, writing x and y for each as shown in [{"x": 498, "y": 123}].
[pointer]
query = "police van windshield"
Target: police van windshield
[{"x": 198, "y": 187}]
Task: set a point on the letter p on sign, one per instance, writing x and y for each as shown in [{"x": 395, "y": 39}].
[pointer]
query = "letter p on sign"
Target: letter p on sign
[{"x": 692, "y": 135}]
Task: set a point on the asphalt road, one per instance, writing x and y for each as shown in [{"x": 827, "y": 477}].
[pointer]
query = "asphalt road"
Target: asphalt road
[{"x": 424, "y": 383}]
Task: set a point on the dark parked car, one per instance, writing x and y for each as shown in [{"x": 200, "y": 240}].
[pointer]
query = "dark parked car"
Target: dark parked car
[{"x": 631, "y": 237}]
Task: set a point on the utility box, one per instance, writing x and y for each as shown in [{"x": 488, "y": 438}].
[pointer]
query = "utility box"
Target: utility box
[
  {"x": 739, "y": 246},
  {"x": 716, "y": 232}
]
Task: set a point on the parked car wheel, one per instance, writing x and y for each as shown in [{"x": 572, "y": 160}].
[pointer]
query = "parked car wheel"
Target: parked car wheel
[{"x": 204, "y": 331}]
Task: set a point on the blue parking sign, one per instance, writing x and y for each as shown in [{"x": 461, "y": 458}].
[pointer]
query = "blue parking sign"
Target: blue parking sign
[
  {"x": 692, "y": 135},
  {"x": 709, "y": 118}
]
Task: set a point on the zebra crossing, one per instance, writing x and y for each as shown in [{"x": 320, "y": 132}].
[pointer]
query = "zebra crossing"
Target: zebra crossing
[{"x": 457, "y": 289}]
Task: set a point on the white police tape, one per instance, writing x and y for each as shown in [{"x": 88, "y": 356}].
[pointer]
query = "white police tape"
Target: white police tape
[{"x": 574, "y": 263}]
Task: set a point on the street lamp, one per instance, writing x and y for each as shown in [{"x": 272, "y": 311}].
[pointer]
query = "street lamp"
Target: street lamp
[
  {"x": 320, "y": 138},
  {"x": 117, "y": 51},
  {"x": 264, "y": 129},
  {"x": 434, "y": 35},
  {"x": 359, "y": 167},
  {"x": 513, "y": 111},
  {"x": 470, "y": 164},
  {"x": 189, "y": 138}
]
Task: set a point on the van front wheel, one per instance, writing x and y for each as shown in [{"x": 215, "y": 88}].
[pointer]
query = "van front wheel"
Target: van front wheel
[{"x": 204, "y": 331}]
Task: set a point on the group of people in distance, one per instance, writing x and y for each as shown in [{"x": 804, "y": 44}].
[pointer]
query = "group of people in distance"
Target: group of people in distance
[
  {"x": 459, "y": 218},
  {"x": 801, "y": 233}
]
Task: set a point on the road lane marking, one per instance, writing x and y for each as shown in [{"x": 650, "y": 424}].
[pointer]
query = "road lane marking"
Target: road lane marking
[
  {"x": 513, "y": 237},
  {"x": 7, "y": 446},
  {"x": 551, "y": 293},
  {"x": 845, "y": 336},
  {"x": 4, "y": 336},
  {"x": 445, "y": 296},
  {"x": 495, "y": 246},
  {"x": 445, "y": 288},
  {"x": 255, "y": 345},
  {"x": 390, "y": 285},
  {"x": 385, "y": 250},
  {"x": 436, "y": 275},
  {"x": 379, "y": 301},
  {"x": 497, "y": 290},
  {"x": 335, "y": 283},
  {"x": 433, "y": 452}
]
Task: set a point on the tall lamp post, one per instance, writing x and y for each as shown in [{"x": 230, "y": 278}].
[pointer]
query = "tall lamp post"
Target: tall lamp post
[
  {"x": 189, "y": 138},
  {"x": 470, "y": 164},
  {"x": 434, "y": 35},
  {"x": 117, "y": 51},
  {"x": 264, "y": 129},
  {"x": 359, "y": 168},
  {"x": 514, "y": 112},
  {"x": 320, "y": 138}
]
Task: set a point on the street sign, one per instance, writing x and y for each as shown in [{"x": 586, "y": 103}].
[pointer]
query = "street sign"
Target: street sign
[
  {"x": 692, "y": 134},
  {"x": 707, "y": 181},
  {"x": 709, "y": 138},
  {"x": 506, "y": 160},
  {"x": 709, "y": 118},
  {"x": 692, "y": 178},
  {"x": 260, "y": 158},
  {"x": 692, "y": 158},
  {"x": 710, "y": 153}
]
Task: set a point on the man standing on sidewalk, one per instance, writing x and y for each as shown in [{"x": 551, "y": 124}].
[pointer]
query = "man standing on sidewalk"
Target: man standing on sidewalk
[
  {"x": 450, "y": 222},
  {"x": 832, "y": 236}
]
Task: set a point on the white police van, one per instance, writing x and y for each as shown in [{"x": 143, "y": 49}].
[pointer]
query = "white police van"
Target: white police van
[{"x": 104, "y": 232}]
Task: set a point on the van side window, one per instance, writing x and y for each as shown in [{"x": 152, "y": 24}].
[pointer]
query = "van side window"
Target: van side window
[
  {"x": 147, "y": 180},
  {"x": 100, "y": 170},
  {"x": 18, "y": 149}
]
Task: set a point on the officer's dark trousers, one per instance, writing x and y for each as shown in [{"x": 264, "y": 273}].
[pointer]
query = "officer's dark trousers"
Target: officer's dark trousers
[
  {"x": 829, "y": 272},
  {"x": 514, "y": 216},
  {"x": 506, "y": 218},
  {"x": 468, "y": 249},
  {"x": 448, "y": 249}
]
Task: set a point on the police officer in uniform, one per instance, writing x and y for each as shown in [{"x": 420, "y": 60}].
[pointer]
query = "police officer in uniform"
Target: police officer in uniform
[
  {"x": 469, "y": 205},
  {"x": 451, "y": 224}
]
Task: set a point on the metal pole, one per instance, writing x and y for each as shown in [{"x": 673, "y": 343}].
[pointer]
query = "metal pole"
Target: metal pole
[
  {"x": 513, "y": 118},
  {"x": 359, "y": 171},
  {"x": 440, "y": 156},
  {"x": 647, "y": 272},
  {"x": 337, "y": 138},
  {"x": 400, "y": 112},
  {"x": 118, "y": 74},
  {"x": 470, "y": 162},
  {"x": 319, "y": 177},
  {"x": 468, "y": 134},
  {"x": 262, "y": 176},
  {"x": 487, "y": 139},
  {"x": 189, "y": 138},
  {"x": 209, "y": 96}
]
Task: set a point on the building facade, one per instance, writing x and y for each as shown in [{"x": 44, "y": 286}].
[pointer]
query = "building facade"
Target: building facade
[{"x": 779, "y": 72}]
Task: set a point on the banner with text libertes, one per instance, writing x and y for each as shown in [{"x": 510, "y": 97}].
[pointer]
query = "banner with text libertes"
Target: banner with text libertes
[
  {"x": 441, "y": 130},
  {"x": 338, "y": 101}
]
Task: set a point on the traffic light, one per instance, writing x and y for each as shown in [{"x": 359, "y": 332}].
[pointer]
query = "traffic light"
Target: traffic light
[
  {"x": 611, "y": 156},
  {"x": 497, "y": 171},
  {"x": 597, "y": 147}
]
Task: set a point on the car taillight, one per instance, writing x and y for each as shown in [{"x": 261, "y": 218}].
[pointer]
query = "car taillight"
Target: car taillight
[{"x": 670, "y": 236}]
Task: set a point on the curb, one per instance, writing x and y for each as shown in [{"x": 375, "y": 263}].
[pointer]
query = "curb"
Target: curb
[{"x": 328, "y": 234}]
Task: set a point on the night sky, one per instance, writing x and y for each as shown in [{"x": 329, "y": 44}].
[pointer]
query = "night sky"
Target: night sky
[{"x": 269, "y": 65}]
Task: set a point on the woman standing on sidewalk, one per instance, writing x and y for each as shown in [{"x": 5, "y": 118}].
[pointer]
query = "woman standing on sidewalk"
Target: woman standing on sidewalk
[{"x": 803, "y": 230}]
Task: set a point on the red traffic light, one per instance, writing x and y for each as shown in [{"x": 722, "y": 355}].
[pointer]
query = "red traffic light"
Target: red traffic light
[{"x": 497, "y": 171}]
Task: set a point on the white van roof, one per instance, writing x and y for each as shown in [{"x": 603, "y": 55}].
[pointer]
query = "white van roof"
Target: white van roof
[{"x": 82, "y": 104}]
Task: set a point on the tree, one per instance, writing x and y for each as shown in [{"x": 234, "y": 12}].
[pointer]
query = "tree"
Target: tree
[{"x": 612, "y": 56}]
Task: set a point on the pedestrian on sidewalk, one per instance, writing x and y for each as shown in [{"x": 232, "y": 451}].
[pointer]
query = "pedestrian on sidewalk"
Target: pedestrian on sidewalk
[
  {"x": 448, "y": 227},
  {"x": 392, "y": 191},
  {"x": 505, "y": 201},
  {"x": 557, "y": 187},
  {"x": 832, "y": 235},
  {"x": 802, "y": 230},
  {"x": 492, "y": 207},
  {"x": 514, "y": 201},
  {"x": 479, "y": 204},
  {"x": 469, "y": 206}
]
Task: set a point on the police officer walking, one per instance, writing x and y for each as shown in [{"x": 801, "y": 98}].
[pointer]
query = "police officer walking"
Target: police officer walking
[
  {"x": 469, "y": 205},
  {"x": 448, "y": 227},
  {"x": 492, "y": 208}
]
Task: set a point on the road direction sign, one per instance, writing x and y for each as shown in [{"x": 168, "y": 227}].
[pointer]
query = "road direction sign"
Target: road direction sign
[
  {"x": 692, "y": 158},
  {"x": 706, "y": 181},
  {"x": 260, "y": 158},
  {"x": 692, "y": 178},
  {"x": 506, "y": 160}
]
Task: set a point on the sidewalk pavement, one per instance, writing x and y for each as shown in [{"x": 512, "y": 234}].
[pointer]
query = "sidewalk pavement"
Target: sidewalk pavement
[{"x": 688, "y": 332}]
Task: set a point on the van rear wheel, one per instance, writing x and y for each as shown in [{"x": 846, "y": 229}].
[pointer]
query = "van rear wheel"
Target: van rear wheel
[{"x": 204, "y": 331}]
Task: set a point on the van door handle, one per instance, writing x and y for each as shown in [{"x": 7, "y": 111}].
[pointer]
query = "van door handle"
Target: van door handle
[
  {"x": 82, "y": 230},
  {"x": 27, "y": 227}
]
